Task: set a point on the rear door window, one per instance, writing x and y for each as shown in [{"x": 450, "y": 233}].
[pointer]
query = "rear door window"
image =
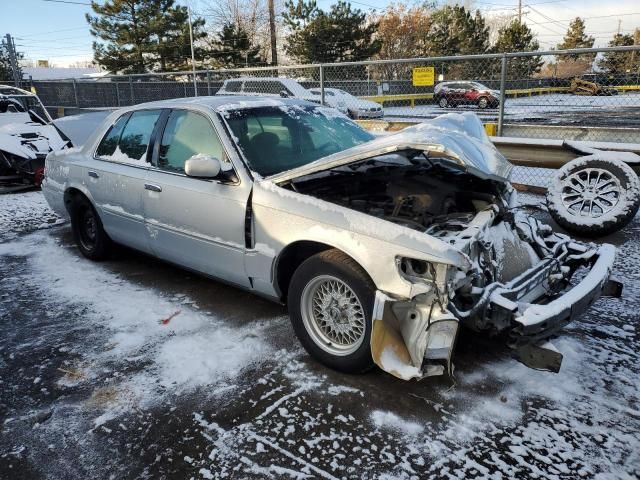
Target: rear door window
[
  {"x": 110, "y": 141},
  {"x": 134, "y": 141},
  {"x": 128, "y": 139}
]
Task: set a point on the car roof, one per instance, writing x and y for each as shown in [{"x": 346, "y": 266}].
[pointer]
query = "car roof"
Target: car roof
[{"x": 222, "y": 102}]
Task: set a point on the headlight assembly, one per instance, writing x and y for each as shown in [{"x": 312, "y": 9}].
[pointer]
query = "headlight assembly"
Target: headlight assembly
[{"x": 416, "y": 270}]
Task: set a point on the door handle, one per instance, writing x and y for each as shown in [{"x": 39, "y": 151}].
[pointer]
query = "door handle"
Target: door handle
[
  {"x": 152, "y": 187},
  {"x": 93, "y": 174}
]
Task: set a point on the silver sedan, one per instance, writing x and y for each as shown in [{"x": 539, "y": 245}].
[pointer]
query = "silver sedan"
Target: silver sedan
[{"x": 381, "y": 247}]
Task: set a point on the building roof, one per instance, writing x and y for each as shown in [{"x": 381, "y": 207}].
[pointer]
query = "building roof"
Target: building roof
[{"x": 55, "y": 73}]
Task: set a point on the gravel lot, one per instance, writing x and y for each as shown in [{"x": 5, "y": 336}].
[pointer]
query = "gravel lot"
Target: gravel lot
[{"x": 135, "y": 369}]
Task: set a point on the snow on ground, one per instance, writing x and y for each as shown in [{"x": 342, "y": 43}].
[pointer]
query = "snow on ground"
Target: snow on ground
[
  {"x": 543, "y": 107},
  {"x": 24, "y": 212},
  {"x": 132, "y": 369}
]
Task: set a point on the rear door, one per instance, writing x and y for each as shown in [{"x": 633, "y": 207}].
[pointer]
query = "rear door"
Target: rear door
[
  {"x": 116, "y": 176},
  {"x": 194, "y": 222}
]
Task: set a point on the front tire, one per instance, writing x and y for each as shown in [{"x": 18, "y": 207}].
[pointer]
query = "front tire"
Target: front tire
[
  {"x": 594, "y": 197},
  {"x": 483, "y": 102},
  {"x": 330, "y": 304},
  {"x": 443, "y": 102},
  {"x": 88, "y": 233}
]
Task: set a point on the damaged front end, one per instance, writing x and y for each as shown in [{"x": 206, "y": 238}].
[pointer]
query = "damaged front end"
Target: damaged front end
[
  {"x": 27, "y": 136},
  {"x": 520, "y": 287},
  {"x": 445, "y": 180}
]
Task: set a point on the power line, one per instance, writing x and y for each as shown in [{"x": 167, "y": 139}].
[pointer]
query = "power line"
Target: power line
[
  {"x": 52, "y": 31},
  {"x": 68, "y": 1}
]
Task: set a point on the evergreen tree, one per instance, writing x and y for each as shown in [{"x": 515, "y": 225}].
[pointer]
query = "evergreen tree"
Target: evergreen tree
[
  {"x": 138, "y": 36},
  {"x": 171, "y": 29},
  {"x": 340, "y": 35},
  {"x": 6, "y": 71},
  {"x": 576, "y": 37},
  {"x": 622, "y": 62},
  {"x": 232, "y": 48},
  {"x": 454, "y": 31},
  {"x": 518, "y": 37}
]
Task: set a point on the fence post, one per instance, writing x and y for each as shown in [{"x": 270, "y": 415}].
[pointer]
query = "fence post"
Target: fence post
[
  {"x": 117, "y": 92},
  {"x": 503, "y": 96},
  {"x": 131, "y": 90},
  {"x": 321, "y": 84},
  {"x": 75, "y": 92},
  {"x": 208, "y": 83}
]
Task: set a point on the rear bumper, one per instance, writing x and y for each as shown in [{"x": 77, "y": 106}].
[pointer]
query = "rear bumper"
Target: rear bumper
[{"x": 532, "y": 320}]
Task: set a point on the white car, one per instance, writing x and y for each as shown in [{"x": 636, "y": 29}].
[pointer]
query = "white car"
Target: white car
[
  {"x": 352, "y": 106},
  {"x": 27, "y": 135},
  {"x": 266, "y": 87}
]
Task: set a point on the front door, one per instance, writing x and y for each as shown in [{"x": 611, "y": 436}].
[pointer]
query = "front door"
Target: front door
[{"x": 195, "y": 222}]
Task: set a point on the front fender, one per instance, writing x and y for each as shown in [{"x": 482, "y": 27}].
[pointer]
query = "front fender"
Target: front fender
[{"x": 282, "y": 217}]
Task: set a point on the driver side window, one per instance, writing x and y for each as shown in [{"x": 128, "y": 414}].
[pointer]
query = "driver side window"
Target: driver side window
[{"x": 185, "y": 135}]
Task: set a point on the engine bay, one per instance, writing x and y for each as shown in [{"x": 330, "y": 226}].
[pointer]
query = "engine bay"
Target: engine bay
[{"x": 423, "y": 194}]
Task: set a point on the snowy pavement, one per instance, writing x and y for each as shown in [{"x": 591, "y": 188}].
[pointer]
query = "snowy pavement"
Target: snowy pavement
[
  {"x": 131, "y": 368},
  {"x": 553, "y": 109}
]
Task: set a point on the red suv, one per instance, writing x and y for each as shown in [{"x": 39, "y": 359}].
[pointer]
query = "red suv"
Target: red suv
[{"x": 452, "y": 94}]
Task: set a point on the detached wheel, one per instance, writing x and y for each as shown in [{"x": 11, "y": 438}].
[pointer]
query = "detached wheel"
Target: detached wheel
[
  {"x": 443, "y": 102},
  {"x": 330, "y": 304},
  {"x": 594, "y": 197},
  {"x": 91, "y": 239}
]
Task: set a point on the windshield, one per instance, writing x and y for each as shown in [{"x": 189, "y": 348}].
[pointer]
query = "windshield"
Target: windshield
[{"x": 276, "y": 139}]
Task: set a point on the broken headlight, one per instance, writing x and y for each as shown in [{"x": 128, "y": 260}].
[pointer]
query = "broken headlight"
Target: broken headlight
[{"x": 416, "y": 270}]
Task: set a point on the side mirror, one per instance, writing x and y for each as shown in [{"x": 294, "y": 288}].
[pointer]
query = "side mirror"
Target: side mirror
[
  {"x": 202, "y": 166},
  {"x": 284, "y": 94}
]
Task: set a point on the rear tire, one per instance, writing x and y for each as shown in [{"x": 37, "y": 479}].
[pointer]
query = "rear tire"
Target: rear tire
[
  {"x": 443, "y": 102},
  {"x": 330, "y": 304},
  {"x": 594, "y": 197},
  {"x": 483, "y": 102},
  {"x": 88, "y": 233}
]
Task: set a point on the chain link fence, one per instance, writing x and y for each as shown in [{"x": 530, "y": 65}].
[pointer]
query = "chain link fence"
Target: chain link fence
[{"x": 585, "y": 94}]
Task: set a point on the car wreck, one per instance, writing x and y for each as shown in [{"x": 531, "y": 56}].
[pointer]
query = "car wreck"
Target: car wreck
[
  {"x": 27, "y": 135},
  {"x": 382, "y": 248}
]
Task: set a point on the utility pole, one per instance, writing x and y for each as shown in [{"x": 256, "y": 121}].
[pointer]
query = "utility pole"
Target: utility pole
[
  {"x": 272, "y": 29},
  {"x": 619, "y": 25},
  {"x": 193, "y": 56},
  {"x": 520, "y": 12},
  {"x": 13, "y": 59}
]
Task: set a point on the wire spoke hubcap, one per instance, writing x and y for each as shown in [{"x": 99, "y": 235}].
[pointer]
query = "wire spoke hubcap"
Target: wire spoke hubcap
[
  {"x": 333, "y": 315},
  {"x": 591, "y": 192}
]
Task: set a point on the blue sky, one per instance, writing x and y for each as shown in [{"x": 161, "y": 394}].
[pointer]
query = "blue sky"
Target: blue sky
[{"x": 58, "y": 32}]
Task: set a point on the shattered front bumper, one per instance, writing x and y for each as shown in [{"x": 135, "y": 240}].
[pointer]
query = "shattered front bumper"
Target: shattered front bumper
[
  {"x": 412, "y": 338},
  {"x": 415, "y": 338},
  {"x": 532, "y": 318}
]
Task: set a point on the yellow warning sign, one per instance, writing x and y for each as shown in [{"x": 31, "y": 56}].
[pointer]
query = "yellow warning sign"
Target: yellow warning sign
[{"x": 423, "y": 76}]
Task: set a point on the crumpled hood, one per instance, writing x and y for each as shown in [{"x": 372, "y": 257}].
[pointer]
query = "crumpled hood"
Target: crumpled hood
[
  {"x": 458, "y": 137},
  {"x": 28, "y": 140}
]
